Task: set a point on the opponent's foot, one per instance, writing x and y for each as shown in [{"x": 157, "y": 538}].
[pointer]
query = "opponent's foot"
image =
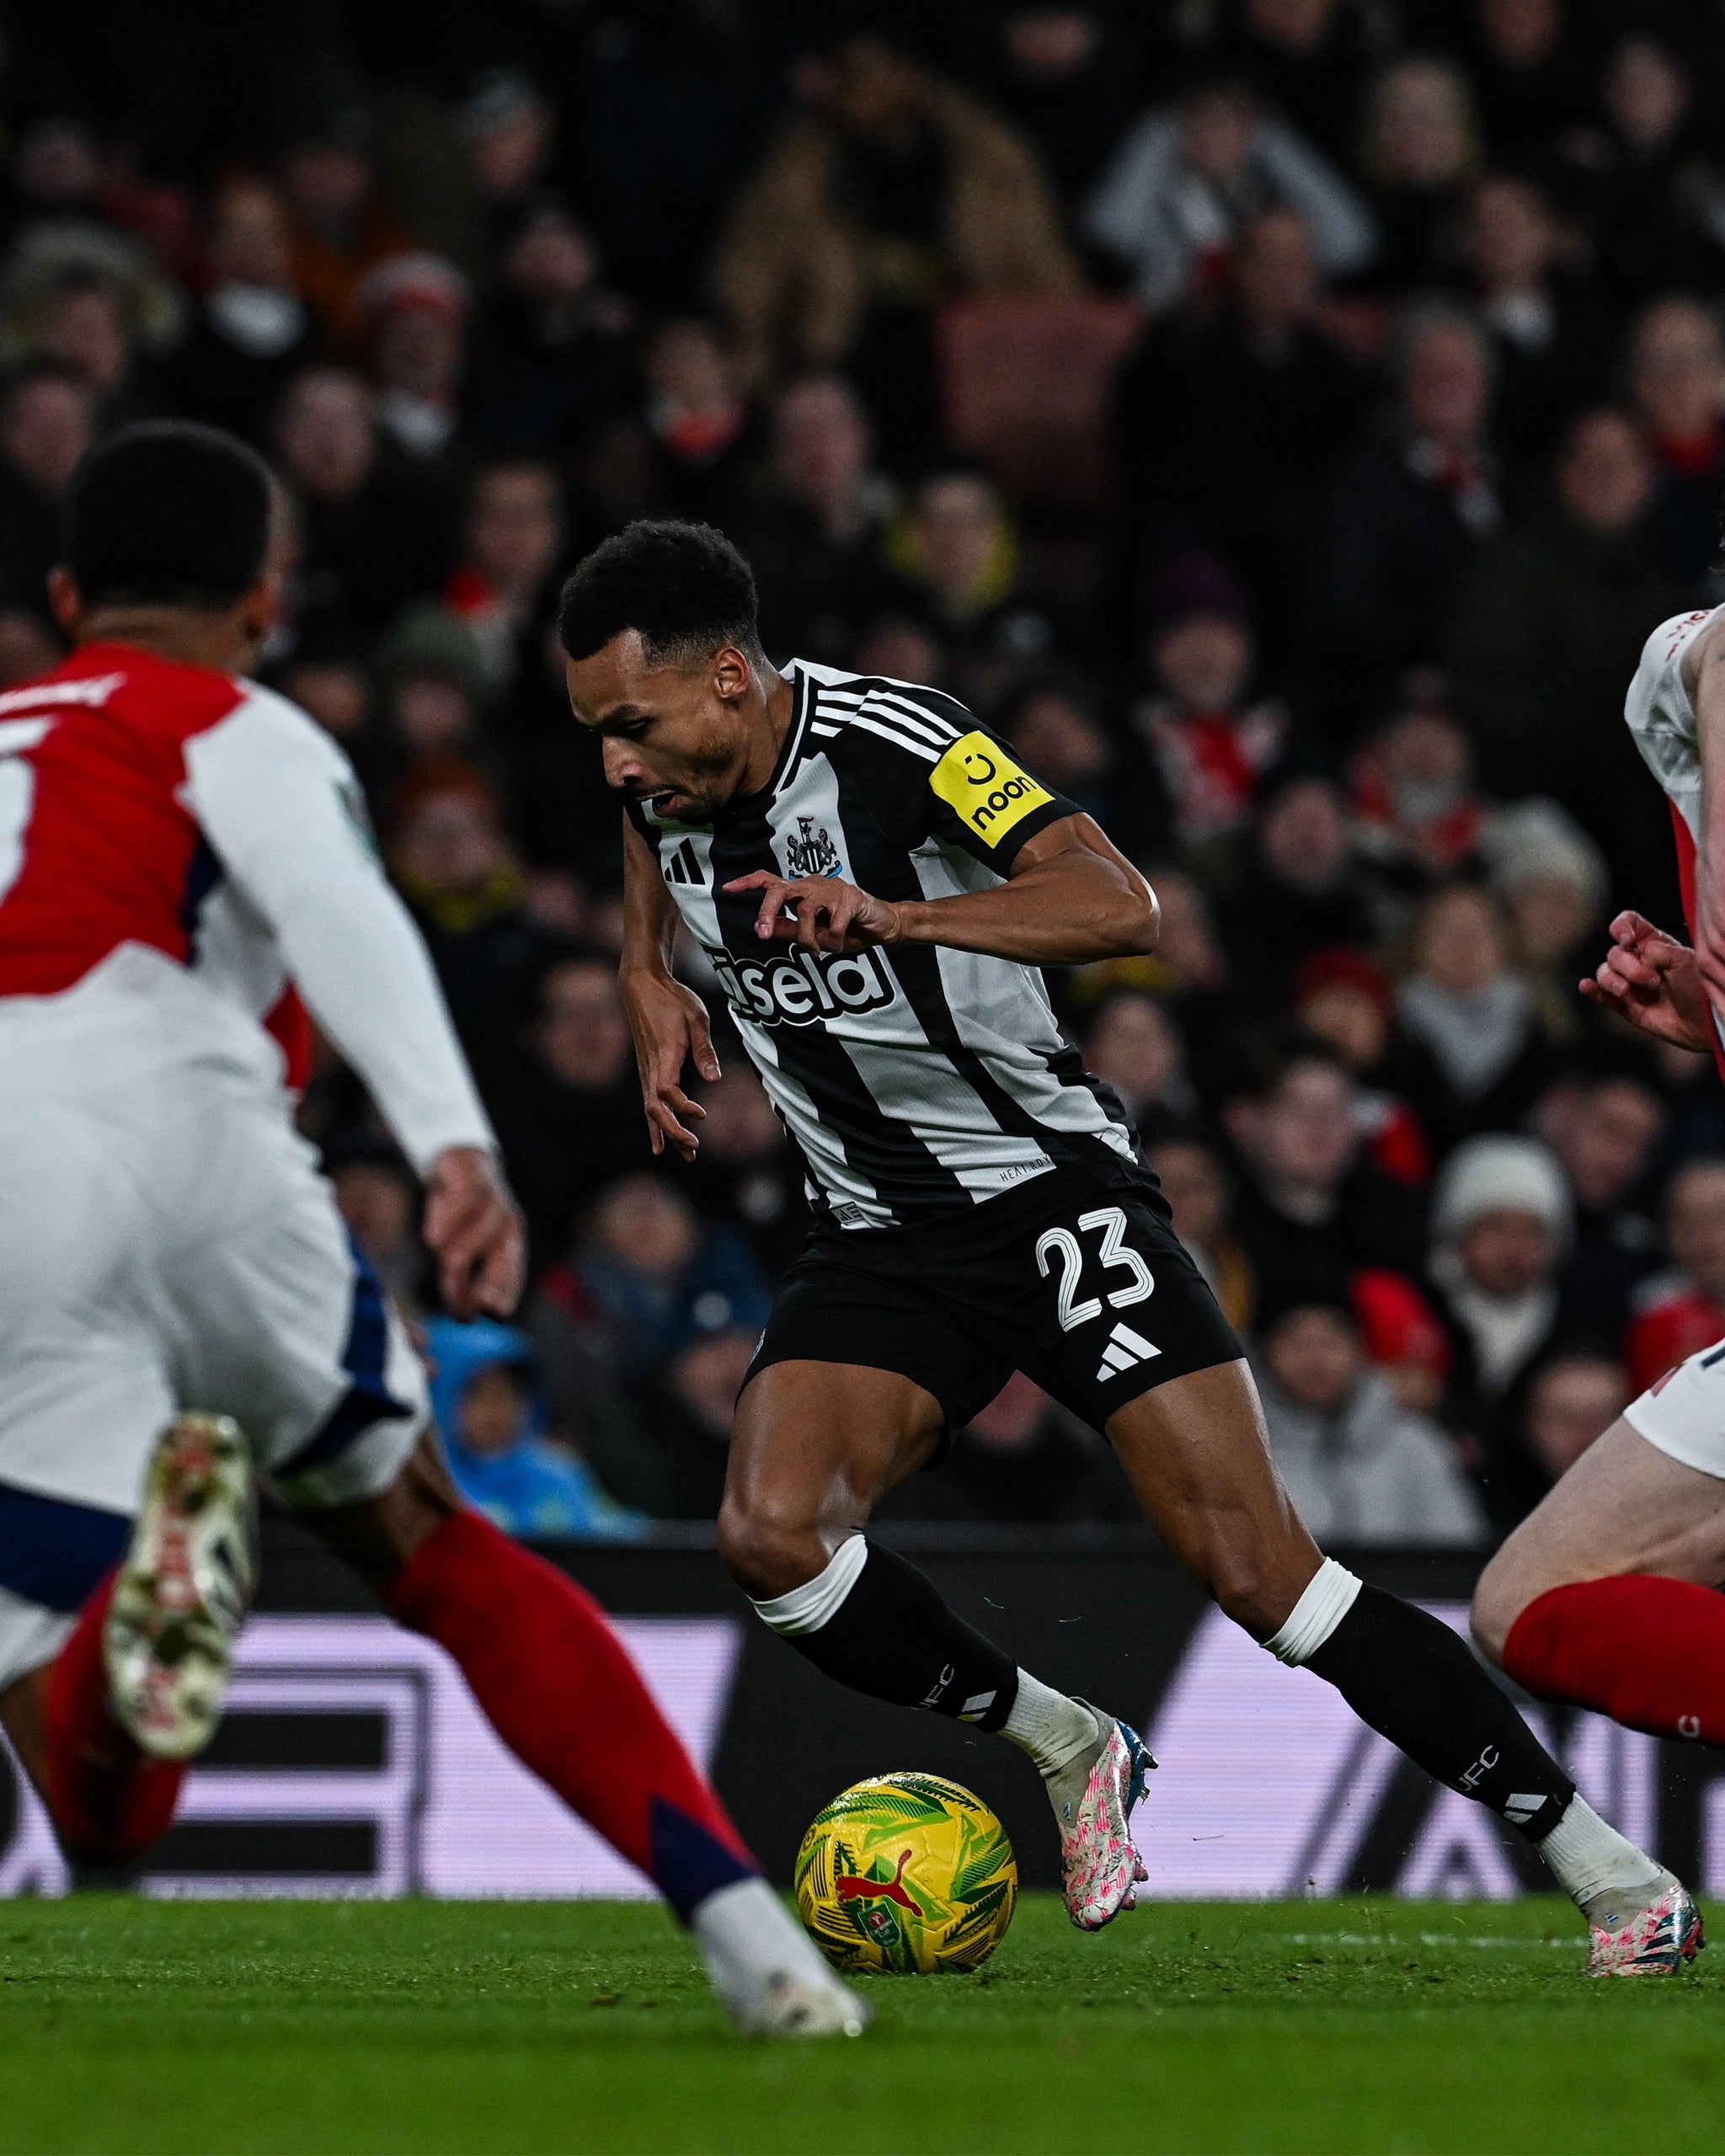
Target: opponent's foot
[
  {"x": 184, "y": 1588},
  {"x": 770, "y": 1975},
  {"x": 1657, "y": 1939},
  {"x": 1093, "y": 1800},
  {"x": 788, "y": 2006}
]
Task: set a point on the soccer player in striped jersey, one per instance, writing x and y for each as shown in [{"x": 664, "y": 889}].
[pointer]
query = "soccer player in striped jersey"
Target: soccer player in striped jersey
[{"x": 875, "y": 880}]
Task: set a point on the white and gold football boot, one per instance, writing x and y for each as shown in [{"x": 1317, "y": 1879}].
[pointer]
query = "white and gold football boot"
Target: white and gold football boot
[
  {"x": 184, "y": 1588},
  {"x": 769, "y": 1975}
]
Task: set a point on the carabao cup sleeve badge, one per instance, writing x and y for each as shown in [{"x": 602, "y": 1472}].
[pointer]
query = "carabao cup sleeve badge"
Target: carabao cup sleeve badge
[{"x": 985, "y": 788}]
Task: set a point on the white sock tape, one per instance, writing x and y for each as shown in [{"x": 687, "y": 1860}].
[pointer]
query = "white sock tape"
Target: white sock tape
[
  {"x": 807, "y": 1608},
  {"x": 1329, "y": 1595}
]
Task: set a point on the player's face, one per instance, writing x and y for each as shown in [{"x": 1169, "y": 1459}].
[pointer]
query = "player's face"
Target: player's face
[{"x": 673, "y": 735}]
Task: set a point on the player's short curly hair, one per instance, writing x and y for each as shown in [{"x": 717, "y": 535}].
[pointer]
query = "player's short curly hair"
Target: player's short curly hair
[
  {"x": 684, "y": 586},
  {"x": 168, "y": 513}
]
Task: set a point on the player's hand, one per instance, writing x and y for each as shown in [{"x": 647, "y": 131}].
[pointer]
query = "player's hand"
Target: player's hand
[
  {"x": 1654, "y": 982},
  {"x": 822, "y": 913},
  {"x": 474, "y": 1231},
  {"x": 669, "y": 1022}
]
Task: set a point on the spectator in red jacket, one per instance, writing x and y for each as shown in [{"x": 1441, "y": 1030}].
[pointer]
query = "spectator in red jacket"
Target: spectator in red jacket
[
  {"x": 1346, "y": 1000},
  {"x": 1211, "y": 740}
]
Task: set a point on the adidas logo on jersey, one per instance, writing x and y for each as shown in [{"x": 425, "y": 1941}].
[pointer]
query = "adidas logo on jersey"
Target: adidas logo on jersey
[
  {"x": 1125, "y": 1351},
  {"x": 803, "y": 988},
  {"x": 683, "y": 865}
]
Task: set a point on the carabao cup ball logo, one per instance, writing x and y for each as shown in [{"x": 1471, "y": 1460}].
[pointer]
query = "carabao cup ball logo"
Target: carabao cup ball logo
[{"x": 907, "y": 1875}]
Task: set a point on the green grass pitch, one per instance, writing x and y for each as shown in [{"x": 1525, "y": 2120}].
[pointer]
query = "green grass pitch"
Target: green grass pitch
[{"x": 280, "y": 2029}]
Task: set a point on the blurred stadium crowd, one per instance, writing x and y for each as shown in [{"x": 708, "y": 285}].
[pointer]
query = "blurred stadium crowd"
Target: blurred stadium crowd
[{"x": 1286, "y": 418}]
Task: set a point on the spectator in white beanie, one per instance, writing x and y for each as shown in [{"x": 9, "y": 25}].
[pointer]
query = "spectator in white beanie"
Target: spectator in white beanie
[
  {"x": 1553, "y": 879},
  {"x": 1498, "y": 1173},
  {"x": 1502, "y": 1220}
]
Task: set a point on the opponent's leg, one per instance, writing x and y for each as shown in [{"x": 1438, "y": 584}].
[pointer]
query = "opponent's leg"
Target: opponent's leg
[
  {"x": 815, "y": 1447},
  {"x": 105, "y": 1730},
  {"x": 107, "y": 1798},
  {"x": 1198, "y": 1457},
  {"x": 558, "y": 1686},
  {"x": 1604, "y": 1596}
]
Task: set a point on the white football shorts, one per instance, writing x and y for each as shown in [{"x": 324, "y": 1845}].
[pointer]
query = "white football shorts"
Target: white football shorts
[
  {"x": 1683, "y": 1414},
  {"x": 167, "y": 1243}
]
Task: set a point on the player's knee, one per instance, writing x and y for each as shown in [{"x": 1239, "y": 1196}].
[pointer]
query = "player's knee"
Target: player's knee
[
  {"x": 1246, "y": 1584},
  {"x": 1245, "y": 1597},
  {"x": 767, "y": 1551}
]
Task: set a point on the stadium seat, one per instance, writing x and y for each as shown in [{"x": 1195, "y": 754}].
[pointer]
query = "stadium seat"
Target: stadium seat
[{"x": 1025, "y": 384}]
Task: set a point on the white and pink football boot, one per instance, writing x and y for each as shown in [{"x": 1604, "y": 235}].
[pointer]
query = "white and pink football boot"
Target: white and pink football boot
[
  {"x": 1657, "y": 1940},
  {"x": 1093, "y": 1802}
]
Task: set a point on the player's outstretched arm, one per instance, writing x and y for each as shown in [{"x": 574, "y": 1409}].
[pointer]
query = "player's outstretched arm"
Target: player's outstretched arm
[
  {"x": 271, "y": 793},
  {"x": 1654, "y": 982},
  {"x": 668, "y": 1021},
  {"x": 1071, "y": 896}
]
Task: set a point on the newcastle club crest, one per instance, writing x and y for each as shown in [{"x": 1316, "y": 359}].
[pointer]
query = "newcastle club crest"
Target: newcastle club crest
[{"x": 811, "y": 852}]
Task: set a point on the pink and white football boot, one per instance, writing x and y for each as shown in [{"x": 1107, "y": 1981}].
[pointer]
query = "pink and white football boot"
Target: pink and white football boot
[
  {"x": 1093, "y": 1805},
  {"x": 1659, "y": 1940}
]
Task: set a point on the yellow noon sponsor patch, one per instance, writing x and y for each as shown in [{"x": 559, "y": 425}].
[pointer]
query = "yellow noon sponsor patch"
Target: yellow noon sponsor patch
[{"x": 979, "y": 781}]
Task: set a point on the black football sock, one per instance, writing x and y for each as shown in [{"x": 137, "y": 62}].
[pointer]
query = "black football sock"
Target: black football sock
[
  {"x": 1410, "y": 1677},
  {"x": 875, "y": 1623}
]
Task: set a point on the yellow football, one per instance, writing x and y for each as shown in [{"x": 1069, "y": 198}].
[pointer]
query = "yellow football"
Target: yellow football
[{"x": 907, "y": 1875}]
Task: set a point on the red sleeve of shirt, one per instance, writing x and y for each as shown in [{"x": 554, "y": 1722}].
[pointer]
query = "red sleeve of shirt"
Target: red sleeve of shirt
[{"x": 289, "y": 1025}]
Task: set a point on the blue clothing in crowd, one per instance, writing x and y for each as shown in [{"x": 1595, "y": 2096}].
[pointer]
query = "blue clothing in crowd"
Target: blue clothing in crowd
[{"x": 534, "y": 1488}]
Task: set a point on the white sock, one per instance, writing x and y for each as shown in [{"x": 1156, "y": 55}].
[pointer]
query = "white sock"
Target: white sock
[
  {"x": 1330, "y": 1593},
  {"x": 807, "y": 1608},
  {"x": 1589, "y": 1858},
  {"x": 747, "y": 1937},
  {"x": 1053, "y": 1729}
]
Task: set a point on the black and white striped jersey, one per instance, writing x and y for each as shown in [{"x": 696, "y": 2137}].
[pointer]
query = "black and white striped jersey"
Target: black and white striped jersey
[{"x": 914, "y": 1079}]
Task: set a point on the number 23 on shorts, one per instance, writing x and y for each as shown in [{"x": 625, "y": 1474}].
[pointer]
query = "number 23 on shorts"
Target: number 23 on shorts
[{"x": 1060, "y": 1246}]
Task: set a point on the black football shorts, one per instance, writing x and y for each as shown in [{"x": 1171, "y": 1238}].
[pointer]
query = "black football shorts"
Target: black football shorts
[{"x": 1076, "y": 1278}]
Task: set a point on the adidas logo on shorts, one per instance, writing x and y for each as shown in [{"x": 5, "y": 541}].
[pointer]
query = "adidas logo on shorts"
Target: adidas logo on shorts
[{"x": 1125, "y": 1351}]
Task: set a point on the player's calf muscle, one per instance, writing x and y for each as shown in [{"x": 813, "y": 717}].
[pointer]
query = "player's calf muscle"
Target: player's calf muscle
[
  {"x": 378, "y": 1536},
  {"x": 21, "y": 1717},
  {"x": 1497, "y": 1603},
  {"x": 1195, "y": 1453}
]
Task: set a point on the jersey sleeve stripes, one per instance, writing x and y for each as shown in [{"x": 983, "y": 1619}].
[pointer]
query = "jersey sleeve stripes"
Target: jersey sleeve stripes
[
  {"x": 915, "y": 1080},
  {"x": 884, "y": 711}
]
